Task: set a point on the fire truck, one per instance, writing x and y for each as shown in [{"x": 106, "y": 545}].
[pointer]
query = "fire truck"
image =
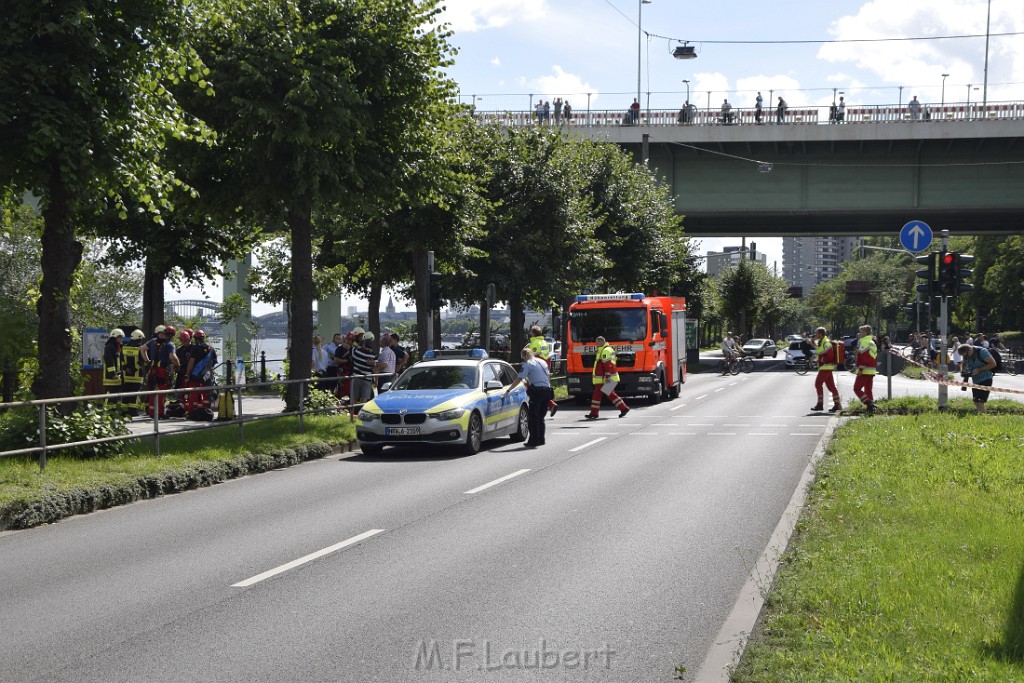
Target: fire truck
[{"x": 648, "y": 334}]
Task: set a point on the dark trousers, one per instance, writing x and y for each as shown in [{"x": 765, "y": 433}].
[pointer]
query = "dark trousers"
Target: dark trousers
[{"x": 539, "y": 397}]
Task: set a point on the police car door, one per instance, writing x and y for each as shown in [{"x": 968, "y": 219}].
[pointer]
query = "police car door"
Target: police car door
[{"x": 496, "y": 405}]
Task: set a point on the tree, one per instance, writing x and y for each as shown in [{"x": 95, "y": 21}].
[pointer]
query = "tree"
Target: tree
[
  {"x": 318, "y": 102},
  {"x": 84, "y": 107}
]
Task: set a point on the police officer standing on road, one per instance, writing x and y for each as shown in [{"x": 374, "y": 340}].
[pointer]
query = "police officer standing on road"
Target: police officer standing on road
[
  {"x": 538, "y": 380},
  {"x": 541, "y": 349},
  {"x": 867, "y": 367}
]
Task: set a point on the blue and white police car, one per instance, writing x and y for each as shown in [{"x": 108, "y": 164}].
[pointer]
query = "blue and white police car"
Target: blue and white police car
[{"x": 450, "y": 397}]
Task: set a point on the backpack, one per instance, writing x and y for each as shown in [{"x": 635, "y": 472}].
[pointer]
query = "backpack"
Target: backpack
[
  {"x": 201, "y": 414},
  {"x": 999, "y": 361},
  {"x": 840, "y": 350},
  {"x": 175, "y": 408}
]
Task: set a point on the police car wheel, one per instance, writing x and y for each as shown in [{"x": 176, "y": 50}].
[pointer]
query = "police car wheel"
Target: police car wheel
[
  {"x": 522, "y": 432},
  {"x": 474, "y": 434}
]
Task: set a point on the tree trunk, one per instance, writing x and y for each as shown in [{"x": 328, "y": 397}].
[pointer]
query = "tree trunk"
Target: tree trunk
[
  {"x": 152, "y": 299},
  {"x": 422, "y": 289},
  {"x": 61, "y": 255},
  {"x": 300, "y": 222},
  {"x": 373, "y": 314},
  {"x": 516, "y": 320}
]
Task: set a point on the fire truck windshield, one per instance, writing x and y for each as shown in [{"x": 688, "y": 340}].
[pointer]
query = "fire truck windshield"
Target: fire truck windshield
[{"x": 614, "y": 324}]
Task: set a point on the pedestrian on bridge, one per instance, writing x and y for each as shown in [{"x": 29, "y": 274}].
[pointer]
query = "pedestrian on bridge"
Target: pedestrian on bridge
[
  {"x": 780, "y": 111},
  {"x": 826, "y": 353},
  {"x": 758, "y": 104}
]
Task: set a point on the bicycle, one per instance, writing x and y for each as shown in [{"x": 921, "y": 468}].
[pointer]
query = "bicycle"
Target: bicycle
[
  {"x": 746, "y": 364},
  {"x": 804, "y": 364},
  {"x": 729, "y": 366}
]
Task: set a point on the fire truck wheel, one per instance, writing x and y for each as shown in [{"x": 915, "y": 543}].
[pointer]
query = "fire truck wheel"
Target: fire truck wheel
[
  {"x": 673, "y": 392},
  {"x": 656, "y": 395}
]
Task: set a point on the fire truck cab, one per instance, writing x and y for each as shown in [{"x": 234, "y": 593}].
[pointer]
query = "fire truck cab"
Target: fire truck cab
[{"x": 648, "y": 334}]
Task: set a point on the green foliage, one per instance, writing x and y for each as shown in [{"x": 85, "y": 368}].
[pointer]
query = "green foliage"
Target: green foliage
[
  {"x": 321, "y": 401},
  {"x": 19, "y": 428}
]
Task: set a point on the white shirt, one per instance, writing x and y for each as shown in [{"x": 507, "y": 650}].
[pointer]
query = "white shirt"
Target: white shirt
[{"x": 387, "y": 357}]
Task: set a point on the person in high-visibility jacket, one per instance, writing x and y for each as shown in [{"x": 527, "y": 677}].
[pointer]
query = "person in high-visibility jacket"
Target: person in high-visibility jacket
[
  {"x": 113, "y": 362},
  {"x": 541, "y": 349},
  {"x": 826, "y": 354},
  {"x": 867, "y": 367},
  {"x": 606, "y": 376},
  {"x": 134, "y": 371}
]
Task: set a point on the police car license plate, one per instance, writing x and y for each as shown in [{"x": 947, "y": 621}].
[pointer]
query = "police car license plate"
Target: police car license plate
[{"x": 402, "y": 431}]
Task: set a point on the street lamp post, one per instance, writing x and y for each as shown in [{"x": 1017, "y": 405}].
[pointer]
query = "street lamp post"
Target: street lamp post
[
  {"x": 639, "y": 31},
  {"x": 687, "y": 82},
  {"x": 988, "y": 23},
  {"x": 944, "y": 77}
]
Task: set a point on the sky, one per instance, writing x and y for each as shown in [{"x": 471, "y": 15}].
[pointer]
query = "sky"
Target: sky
[{"x": 510, "y": 50}]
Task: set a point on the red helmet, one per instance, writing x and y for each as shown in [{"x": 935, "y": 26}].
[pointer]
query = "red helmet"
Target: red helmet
[
  {"x": 187, "y": 329},
  {"x": 199, "y": 334},
  {"x": 185, "y": 337},
  {"x": 170, "y": 331}
]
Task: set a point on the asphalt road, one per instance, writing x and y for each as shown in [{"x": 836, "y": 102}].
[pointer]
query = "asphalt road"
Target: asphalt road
[{"x": 614, "y": 553}]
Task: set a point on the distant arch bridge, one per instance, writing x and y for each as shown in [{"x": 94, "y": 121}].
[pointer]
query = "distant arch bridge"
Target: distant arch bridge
[{"x": 191, "y": 309}]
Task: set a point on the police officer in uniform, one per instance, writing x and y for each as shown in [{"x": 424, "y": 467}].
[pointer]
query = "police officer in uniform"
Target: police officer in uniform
[
  {"x": 538, "y": 387},
  {"x": 541, "y": 349}
]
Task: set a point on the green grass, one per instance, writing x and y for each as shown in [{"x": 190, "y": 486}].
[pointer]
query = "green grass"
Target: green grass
[
  {"x": 21, "y": 480},
  {"x": 908, "y": 563}
]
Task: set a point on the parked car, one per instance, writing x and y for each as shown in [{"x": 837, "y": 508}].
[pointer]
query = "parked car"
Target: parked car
[
  {"x": 450, "y": 397},
  {"x": 794, "y": 337},
  {"x": 760, "y": 348}
]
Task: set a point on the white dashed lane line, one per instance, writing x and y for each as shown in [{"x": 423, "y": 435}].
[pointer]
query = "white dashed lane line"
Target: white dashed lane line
[
  {"x": 306, "y": 558},
  {"x": 497, "y": 481},
  {"x": 587, "y": 445},
  {"x": 681, "y": 405}
]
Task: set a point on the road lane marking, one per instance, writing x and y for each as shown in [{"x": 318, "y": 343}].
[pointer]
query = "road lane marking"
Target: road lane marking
[
  {"x": 721, "y": 433},
  {"x": 681, "y": 405},
  {"x": 701, "y": 424},
  {"x": 646, "y": 434},
  {"x": 497, "y": 481},
  {"x": 719, "y": 389},
  {"x": 764, "y": 433},
  {"x": 665, "y": 424},
  {"x": 732, "y": 384},
  {"x": 587, "y": 444},
  {"x": 773, "y": 424},
  {"x": 700, "y": 397},
  {"x": 307, "y": 558},
  {"x": 727, "y": 424},
  {"x": 682, "y": 433}
]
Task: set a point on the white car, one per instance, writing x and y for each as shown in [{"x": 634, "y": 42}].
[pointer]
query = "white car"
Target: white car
[{"x": 794, "y": 352}]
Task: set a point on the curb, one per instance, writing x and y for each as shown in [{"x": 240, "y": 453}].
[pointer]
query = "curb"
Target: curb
[
  {"x": 730, "y": 642},
  {"x": 52, "y": 508}
]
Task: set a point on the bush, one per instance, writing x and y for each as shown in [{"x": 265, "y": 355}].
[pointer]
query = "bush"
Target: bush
[{"x": 20, "y": 429}]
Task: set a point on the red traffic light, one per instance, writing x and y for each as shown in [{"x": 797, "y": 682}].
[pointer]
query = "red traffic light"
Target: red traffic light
[{"x": 947, "y": 258}]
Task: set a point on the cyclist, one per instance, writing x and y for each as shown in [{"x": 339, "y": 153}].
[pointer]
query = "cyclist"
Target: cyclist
[{"x": 730, "y": 350}]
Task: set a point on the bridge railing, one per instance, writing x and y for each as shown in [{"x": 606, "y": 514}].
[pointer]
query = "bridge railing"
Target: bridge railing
[{"x": 882, "y": 113}]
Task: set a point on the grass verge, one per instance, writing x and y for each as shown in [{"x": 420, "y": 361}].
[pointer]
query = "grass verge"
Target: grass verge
[
  {"x": 68, "y": 486},
  {"x": 908, "y": 563}
]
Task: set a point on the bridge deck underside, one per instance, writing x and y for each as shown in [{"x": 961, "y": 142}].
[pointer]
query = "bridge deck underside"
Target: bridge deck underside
[{"x": 853, "y": 188}]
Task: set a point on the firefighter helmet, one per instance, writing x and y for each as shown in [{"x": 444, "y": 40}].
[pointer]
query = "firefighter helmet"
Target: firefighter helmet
[
  {"x": 138, "y": 334},
  {"x": 117, "y": 332},
  {"x": 170, "y": 331},
  {"x": 158, "y": 329},
  {"x": 185, "y": 337},
  {"x": 199, "y": 334}
]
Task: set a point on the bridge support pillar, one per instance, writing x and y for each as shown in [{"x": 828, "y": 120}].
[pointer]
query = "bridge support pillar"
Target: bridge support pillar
[
  {"x": 328, "y": 316},
  {"x": 237, "y": 335}
]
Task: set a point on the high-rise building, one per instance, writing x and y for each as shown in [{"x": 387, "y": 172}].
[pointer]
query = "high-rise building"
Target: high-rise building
[
  {"x": 807, "y": 261},
  {"x": 718, "y": 261}
]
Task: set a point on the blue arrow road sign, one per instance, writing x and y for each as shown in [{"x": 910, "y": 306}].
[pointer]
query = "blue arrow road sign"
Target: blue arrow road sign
[{"x": 916, "y": 236}]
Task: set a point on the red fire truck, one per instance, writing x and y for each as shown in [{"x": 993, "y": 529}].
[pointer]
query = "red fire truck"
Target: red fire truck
[{"x": 648, "y": 334}]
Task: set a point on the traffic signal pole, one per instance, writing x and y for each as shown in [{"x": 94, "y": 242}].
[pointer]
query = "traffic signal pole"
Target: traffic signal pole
[
  {"x": 943, "y": 334},
  {"x": 430, "y": 318}
]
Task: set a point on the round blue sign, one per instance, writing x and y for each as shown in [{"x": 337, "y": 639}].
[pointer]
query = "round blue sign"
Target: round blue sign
[{"x": 916, "y": 236}]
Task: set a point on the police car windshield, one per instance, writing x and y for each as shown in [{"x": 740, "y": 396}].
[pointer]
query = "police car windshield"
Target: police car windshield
[
  {"x": 614, "y": 324},
  {"x": 429, "y": 376}
]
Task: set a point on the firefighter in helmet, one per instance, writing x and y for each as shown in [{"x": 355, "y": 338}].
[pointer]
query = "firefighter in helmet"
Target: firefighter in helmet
[
  {"x": 113, "y": 362},
  {"x": 134, "y": 370},
  {"x": 163, "y": 361}
]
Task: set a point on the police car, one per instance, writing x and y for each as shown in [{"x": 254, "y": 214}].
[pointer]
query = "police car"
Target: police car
[{"x": 450, "y": 397}]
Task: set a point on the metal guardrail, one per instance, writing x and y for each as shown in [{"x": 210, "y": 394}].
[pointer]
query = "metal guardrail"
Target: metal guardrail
[{"x": 240, "y": 418}]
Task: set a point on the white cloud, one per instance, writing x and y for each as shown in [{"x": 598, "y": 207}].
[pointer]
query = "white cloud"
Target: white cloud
[
  {"x": 919, "y": 65},
  {"x": 562, "y": 84},
  {"x": 496, "y": 61},
  {"x": 480, "y": 15}
]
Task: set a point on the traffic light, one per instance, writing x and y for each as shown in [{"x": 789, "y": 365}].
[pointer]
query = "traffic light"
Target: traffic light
[
  {"x": 927, "y": 273},
  {"x": 962, "y": 273},
  {"x": 947, "y": 274},
  {"x": 435, "y": 292}
]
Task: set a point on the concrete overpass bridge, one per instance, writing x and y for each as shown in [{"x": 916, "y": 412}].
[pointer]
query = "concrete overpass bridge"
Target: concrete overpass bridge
[{"x": 962, "y": 170}]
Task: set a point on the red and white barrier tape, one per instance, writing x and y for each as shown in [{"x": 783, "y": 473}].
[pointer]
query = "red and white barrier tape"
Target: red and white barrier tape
[{"x": 933, "y": 376}]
